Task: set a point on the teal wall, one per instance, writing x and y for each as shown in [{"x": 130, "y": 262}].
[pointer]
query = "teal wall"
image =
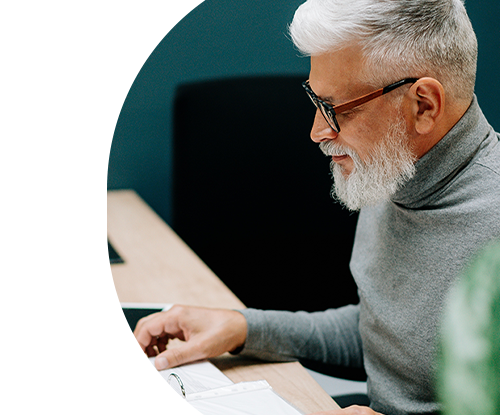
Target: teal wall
[
  {"x": 485, "y": 16},
  {"x": 224, "y": 38}
]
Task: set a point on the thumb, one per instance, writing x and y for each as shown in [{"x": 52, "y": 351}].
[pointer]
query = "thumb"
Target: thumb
[{"x": 177, "y": 356}]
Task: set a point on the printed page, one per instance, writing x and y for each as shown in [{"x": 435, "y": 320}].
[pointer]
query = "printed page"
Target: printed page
[{"x": 244, "y": 398}]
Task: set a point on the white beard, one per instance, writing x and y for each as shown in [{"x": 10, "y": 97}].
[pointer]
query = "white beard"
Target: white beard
[{"x": 389, "y": 166}]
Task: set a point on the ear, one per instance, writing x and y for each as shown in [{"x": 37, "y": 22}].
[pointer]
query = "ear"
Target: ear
[{"x": 427, "y": 105}]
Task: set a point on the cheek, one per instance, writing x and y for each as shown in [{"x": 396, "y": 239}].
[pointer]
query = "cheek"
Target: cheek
[
  {"x": 361, "y": 140},
  {"x": 368, "y": 133}
]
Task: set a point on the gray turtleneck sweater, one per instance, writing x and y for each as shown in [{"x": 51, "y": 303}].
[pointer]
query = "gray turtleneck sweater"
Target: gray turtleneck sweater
[{"x": 408, "y": 252}]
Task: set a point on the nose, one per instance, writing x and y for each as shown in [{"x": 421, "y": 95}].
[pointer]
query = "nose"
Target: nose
[{"x": 321, "y": 131}]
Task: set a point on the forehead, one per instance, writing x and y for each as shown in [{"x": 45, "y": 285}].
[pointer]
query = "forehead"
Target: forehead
[{"x": 335, "y": 76}]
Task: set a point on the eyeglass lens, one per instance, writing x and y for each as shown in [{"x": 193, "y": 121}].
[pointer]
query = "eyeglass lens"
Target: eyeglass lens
[
  {"x": 328, "y": 114},
  {"x": 329, "y": 117}
]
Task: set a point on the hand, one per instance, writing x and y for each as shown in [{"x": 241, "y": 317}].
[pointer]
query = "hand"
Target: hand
[
  {"x": 206, "y": 332},
  {"x": 351, "y": 410}
]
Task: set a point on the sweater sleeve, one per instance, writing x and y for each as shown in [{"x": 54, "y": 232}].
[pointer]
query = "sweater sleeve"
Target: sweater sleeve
[{"x": 330, "y": 336}]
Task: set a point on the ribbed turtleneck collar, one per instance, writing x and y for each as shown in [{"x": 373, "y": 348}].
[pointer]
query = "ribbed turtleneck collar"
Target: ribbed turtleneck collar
[{"x": 445, "y": 159}]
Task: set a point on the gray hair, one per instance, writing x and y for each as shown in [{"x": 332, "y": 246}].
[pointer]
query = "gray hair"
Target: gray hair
[{"x": 399, "y": 38}]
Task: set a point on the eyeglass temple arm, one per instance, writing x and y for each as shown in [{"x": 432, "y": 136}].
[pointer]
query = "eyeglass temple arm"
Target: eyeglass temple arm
[
  {"x": 398, "y": 84},
  {"x": 358, "y": 101},
  {"x": 372, "y": 95}
]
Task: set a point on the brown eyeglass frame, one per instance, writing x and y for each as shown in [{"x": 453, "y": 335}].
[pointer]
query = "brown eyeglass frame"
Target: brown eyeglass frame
[{"x": 329, "y": 112}]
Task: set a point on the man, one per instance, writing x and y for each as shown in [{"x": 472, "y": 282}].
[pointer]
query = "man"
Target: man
[{"x": 393, "y": 83}]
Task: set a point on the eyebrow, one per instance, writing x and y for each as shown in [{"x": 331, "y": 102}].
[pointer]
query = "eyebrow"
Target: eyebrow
[{"x": 328, "y": 99}]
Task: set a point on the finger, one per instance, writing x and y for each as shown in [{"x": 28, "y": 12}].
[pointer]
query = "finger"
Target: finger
[
  {"x": 139, "y": 331},
  {"x": 147, "y": 333},
  {"x": 143, "y": 320},
  {"x": 162, "y": 315},
  {"x": 359, "y": 410}
]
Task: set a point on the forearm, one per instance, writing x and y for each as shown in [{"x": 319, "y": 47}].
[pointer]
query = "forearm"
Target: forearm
[{"x": 329, "y": 336}]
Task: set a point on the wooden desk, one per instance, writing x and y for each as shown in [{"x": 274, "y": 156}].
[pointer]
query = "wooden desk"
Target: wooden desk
[{"x": 160, "y": 268}]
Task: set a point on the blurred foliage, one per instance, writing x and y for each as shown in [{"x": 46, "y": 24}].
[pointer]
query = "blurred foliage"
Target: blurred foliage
[{"x": 469, "y": 358}]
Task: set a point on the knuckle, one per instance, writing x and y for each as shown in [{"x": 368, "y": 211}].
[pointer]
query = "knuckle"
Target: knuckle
[
  {"x": 175, "y": 311},
  {"x": 360, "y": 410},
  {"x": 174, "y": 308}
]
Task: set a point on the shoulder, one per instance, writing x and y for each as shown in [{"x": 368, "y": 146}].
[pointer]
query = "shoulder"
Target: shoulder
[
  {"x": 489, "y": 157},
  {"x": 479, "y": 180}
]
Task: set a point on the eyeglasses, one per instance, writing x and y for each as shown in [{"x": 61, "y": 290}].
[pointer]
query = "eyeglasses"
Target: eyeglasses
[{"x": 330, "y": 111}]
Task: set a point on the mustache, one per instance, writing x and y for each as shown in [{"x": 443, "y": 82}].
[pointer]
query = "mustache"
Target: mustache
[{"x": 330, "y": 148}]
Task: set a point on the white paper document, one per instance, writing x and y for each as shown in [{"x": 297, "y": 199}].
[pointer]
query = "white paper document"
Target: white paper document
[
  {"x": 245, "y": 398},
  {"x": 208, "y": 390},
  {"x": 197, "y": 377}
]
